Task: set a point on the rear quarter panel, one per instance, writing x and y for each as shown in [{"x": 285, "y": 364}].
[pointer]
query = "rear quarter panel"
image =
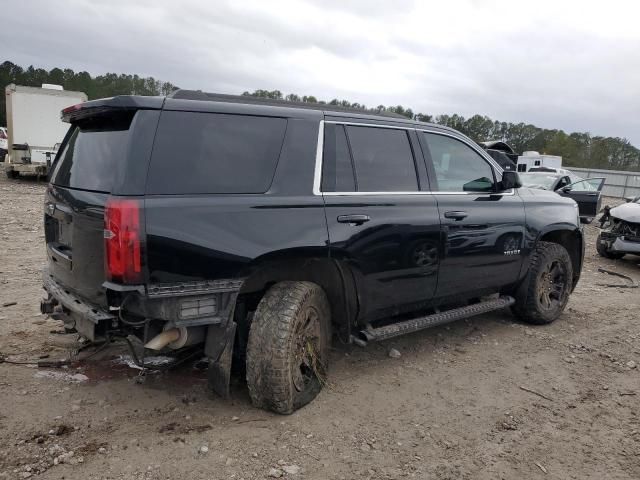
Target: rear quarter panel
[{"x": 208, "y": 237}]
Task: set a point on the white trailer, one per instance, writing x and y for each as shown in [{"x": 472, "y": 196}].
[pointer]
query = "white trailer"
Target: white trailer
[
  {"x": 532, "y": 159},
  {"x": 34, "y": 127}
]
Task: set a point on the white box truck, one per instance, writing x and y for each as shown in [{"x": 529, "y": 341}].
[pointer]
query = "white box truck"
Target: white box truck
[
  {"x": 532, "y": 159},
  {"x": 34, "y": 127}
]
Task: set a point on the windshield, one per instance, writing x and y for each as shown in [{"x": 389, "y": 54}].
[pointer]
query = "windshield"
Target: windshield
[{"x": 538, "y": 180}]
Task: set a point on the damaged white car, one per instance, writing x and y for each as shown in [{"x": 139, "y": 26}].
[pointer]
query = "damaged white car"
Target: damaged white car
[{"x": 620, "y": 233}]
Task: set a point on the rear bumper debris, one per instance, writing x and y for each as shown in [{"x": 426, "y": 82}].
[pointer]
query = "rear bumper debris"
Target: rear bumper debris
[{"x": 62, "y": 304}]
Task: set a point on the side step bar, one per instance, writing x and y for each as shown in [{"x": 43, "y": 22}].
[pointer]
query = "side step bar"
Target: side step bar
[{"x": 371, "y": 334}]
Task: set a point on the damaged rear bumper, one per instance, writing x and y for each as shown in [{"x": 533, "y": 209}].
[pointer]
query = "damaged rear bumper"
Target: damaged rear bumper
[
  {"x": 205, "y": 305},
  {"x": 63, "y": 305}
]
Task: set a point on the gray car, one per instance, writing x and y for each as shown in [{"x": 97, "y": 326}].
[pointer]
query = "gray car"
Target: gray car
[
  {"x": 586, "y": 192},
  {"x": 620, "y": 233}
]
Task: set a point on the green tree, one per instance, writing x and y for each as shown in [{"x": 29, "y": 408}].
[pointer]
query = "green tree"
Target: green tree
[{"x": 578, "y": 149}]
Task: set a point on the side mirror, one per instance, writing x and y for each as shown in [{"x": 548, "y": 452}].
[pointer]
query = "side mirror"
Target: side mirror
[
  {"x": 510, "y": 179},
  {"x": 566, "y": 189}
]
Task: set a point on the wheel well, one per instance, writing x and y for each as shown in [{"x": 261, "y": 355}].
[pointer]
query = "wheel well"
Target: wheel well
[
  {"x": 571, "y": 241},
  {"x": 334, "y": 277}
]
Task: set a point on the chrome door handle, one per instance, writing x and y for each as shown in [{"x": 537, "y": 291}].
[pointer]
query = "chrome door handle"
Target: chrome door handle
[
  {"x": 355, "y": 219},
  {"x": 456, "y": 215}
]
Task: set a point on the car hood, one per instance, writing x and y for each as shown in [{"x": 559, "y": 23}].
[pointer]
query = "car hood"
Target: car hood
[
  {"x": 537, "y": 187},
  {"x": 629, "y": 212},
  {"x": 538, "y": 192}
]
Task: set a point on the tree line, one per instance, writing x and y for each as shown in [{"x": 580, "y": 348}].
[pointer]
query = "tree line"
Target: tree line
[
  {"x": 101, "y": 86},
  {"x": 577, "y": 149}
]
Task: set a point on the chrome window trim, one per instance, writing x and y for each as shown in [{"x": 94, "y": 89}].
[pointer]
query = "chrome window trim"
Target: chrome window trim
[
  {"x": 317, "y": 174},
  {"x": 355, "y": 124},
  {"x": 423, "y": 192}
]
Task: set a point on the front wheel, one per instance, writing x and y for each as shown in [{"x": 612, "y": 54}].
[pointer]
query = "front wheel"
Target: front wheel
[
  {"x": 544, "y": 293},
  {"x": 288, "y": 347}
]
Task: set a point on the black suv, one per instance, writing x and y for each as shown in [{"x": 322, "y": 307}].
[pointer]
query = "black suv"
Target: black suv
[{"x": 255, "y": 231}]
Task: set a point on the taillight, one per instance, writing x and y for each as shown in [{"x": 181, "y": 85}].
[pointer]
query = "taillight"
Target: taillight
[
  {"x": 72, "y": 108},
  {"x": 123, "y": 238}
]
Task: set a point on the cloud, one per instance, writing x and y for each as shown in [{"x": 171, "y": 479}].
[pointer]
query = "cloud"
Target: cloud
[{"x": 570, "y": 65}]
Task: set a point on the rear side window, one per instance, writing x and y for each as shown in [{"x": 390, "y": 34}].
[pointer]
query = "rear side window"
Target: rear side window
[
  {"x": 367, "y": 159},
  {"x": 89, "y": 158},
  {"x": 214, "y": 153},
  {"x": 337, "y": 169},
  {"x": 383, "y": 159}
]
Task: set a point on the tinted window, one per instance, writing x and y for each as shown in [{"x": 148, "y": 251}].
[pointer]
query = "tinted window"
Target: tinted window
[
  {"x": 457, "y": 166},
  {"x": 337, "y": 170},
  {"x": 214, "y": 153},
  {"x": 89, "y": 159},
  {"x": 590, "y": 185},
  {"x": 382, "y": 159}
]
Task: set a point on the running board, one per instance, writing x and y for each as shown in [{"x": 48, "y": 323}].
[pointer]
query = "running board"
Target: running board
[{"x": 371, "y": 334}]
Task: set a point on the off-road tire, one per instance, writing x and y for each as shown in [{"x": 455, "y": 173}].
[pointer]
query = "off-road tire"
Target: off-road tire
[
  {"x": 539, "y": 300},
  {"x": 288, "y": 347},
  {"x": 603, "y": 251},
  {"x": 12, "y": 174}
]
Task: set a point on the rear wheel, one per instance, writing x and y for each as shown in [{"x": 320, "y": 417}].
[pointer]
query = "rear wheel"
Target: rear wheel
[
  {"x": 544, "y": 293},
  {"x": 288, "y": 347},
  {"x": 604, "y": 251}
]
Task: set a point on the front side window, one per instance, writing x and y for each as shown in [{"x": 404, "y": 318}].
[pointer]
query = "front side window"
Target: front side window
[
  {"x": 458, "y": 168},
  {"x": 589, "y": 185}
]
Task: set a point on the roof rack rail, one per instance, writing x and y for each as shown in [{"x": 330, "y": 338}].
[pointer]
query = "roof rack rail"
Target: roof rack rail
[{"x": 250, "y": 99}]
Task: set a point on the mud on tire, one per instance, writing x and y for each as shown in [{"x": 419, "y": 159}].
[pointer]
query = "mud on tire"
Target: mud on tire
[
  {"x": 288, "y": 347},
  {"x": 544, "y": 293}
]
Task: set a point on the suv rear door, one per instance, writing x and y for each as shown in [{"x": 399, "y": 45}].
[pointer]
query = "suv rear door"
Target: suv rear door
[
  {"x": 381, "y": 219},
  {"x": 92, "y": 165},
  {"x": 484, "y": 231}
]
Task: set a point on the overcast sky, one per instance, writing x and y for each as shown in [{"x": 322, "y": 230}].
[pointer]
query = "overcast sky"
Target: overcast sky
[{"x": 556, "y": 64}]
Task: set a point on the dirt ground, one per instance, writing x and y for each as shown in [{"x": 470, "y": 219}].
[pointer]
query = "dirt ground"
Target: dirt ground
[{"x": 487, "y": 398}]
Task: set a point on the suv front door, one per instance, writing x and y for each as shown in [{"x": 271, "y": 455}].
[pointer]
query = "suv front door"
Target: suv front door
[
  {"x": 586, "y": 193},
  {"x": 483, "y": 230},
  {"x": 380, "y": 217}
]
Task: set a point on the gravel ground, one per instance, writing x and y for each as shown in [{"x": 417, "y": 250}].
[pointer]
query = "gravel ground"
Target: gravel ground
[{"x": 487, "y": 398}]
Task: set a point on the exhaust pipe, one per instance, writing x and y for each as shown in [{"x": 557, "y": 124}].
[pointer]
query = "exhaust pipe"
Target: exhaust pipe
[
  {"x": 176, "y": 338},
  {"x": 48, "y": 306}
]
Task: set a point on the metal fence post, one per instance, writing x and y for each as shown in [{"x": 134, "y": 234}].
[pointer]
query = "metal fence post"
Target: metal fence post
[{"x": 624, "y": 189}]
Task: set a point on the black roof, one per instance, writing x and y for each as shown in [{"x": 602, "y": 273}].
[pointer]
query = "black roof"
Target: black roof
[
  {"x": 274, "y": 102},
  {"x": 176, "y": 101},
  {"x": 497, "y": 145}
]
